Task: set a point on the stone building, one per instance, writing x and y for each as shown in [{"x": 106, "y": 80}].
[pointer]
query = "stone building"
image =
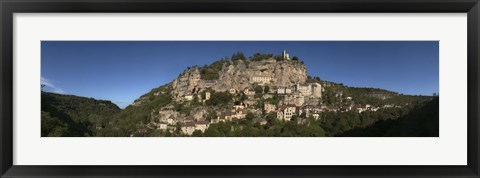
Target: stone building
[
  {"x": 285, "y": 55},
  {"x": 201, "y": 125},
  {"x": 286, "y": 112},
  {"x": 207, "y": 95},
  {"x": 239, "y": 106},
  {"x": 316, "y": 90},
  {"x": 249, "y": 92},
  {"x": 261, "y": 79},
  {"x": 162, "y": 126},
  {"x": 269, "y": 107},
  {"x": 310, "y": 89},
  {"x": 231, "y": 116},
  {"x": 249, "y": 102},
  {"x": 284, "y": 91},
  {"x": 188, "y": 128},
  {"x": 189, "y": 97},
  {"x": 305, "y": 89},
  {"x": 298, "y": 100},
  {"x": 171, "y": 120}
]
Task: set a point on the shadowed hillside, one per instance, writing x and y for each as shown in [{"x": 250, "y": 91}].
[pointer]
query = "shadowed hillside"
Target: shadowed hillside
[
  {"x": 68, "y": 115},
  {"x": 421, "y": 121}
]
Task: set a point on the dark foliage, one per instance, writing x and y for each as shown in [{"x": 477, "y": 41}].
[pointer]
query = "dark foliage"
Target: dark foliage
[
  {"x": 421, "y": 121},
  {"x": 259, "y": 56},
  {"x": 68, "y": 115}
]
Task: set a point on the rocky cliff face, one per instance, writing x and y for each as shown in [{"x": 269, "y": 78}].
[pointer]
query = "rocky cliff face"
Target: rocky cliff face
[{"x": 242, "y": 74}]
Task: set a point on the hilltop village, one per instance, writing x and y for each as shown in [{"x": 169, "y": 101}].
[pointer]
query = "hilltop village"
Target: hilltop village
[
  {"x": 257, "y": 90},
  {"x": 264, "y": 95}
]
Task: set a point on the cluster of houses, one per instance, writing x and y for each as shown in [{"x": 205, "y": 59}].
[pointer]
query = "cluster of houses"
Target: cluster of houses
[
  {"x": 301, "y": 99},
  {"x": 190, "y": 97},
  {"x": 293, "y": 103},
  {"x": 186, "y": 127},
  {"x": 191, "y": 126}
]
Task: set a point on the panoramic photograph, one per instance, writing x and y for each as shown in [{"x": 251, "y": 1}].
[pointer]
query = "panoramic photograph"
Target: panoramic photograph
[{"x": 239, "y": 89}]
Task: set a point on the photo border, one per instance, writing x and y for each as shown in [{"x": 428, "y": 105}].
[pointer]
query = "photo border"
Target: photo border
[{"x": 9, "y": 7}]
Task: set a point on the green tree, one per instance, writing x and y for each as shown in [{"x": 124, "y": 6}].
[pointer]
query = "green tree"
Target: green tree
[
  {"x": 238, "y": 56},
  {"x": 266, "y": 89},
  {"x": 211, "y": 115},
  {"x": 258, "y": 89},
  {"x": 219, "y": 98},
  {"x": 250, "y": 116},
  {"x": 197, "y": 133}
]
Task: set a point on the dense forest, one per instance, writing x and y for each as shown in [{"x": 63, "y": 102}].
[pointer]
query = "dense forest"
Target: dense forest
[
  {"x": 73, "y": 116},
  {"x": 421, "y": 121}
]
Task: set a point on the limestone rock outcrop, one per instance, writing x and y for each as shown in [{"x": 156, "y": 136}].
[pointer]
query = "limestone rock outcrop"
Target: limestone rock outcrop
[{"x": 242, "y": 74}]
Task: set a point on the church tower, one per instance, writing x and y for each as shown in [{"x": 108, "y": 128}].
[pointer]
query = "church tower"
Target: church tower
[{"x": 285, "y": 55}]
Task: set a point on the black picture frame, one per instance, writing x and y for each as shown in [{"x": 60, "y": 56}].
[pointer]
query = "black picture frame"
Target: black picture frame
[{"x": 9, "y": 7}]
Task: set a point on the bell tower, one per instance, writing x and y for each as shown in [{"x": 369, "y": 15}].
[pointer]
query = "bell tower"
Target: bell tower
[{"x": 285, "y": 55}]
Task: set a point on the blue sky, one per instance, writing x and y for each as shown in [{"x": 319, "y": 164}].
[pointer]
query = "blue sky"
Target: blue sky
[{"x": 121, "y": 71}]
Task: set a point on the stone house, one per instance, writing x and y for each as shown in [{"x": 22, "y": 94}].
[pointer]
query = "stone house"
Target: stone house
[
  {"x": 230, "y": 116},
  {"x": 261, "y": 79},
  {"x": 284, "y": 91},
  {"x": 269, "y": 107},
  {"x": 171, "y": 120},
  {"x": 208, "y": 83},
  {"x": 286, "y": 112},
  {"x": 207, "y": 95},
  {"x": 249, "y": 92},
  {"x": 225, "y": 116},
  {"x": 249, "y": 102},
  {"x": 162, "y": 126},
  {"x": 316, "y": 90},
  {"x": 188, "y": 128},
  {"x": 311, "y": 89},
  {"x": 305, "y": 89},
  {"x": 240, "y": 114},
  {"x": 299, "y": 100},
  {"x": 189, "y": 97},
  {"x": 267, "y": 96},
  {"x": 296, "y": 98},
  {"x": 360, "y": 110},
  {"x": 240, "y": 106},
  {"x": 201, "y": 125}
]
